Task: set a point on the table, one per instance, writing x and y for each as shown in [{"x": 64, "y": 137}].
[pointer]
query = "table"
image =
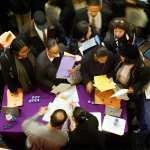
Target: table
[{"x": 29, "y": 109}]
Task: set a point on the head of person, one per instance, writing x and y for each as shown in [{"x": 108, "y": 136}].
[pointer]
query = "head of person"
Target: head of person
[
  {"x": 40, "y": 20},
  {"x": 93, "y": 6},
  {"x": 58, "y": 118},
  {"x": 82, "y": 31},
  {"x": 53, "y": 49},
  {"x": 102, "y": 54},
  {"x": 129, "y": 55},
  {"x": 19, "y": 48},
  {"x": 119, "y": 27},
  {"x": 79, "y": 115}
]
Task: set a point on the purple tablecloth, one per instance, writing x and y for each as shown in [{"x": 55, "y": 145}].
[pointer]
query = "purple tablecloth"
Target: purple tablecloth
[{"x": 28, "y": 109}]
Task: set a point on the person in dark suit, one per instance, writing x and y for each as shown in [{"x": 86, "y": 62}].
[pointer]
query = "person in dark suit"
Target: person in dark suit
[
  {"x": 39, "y": 31},
  {"x": 100, "y": 62},
  {"x": 47, "y": 65},
  {"x": 85, "y": 136},
  {"x": 18, "y": 67},
  {"x": 95, "y": 16}
]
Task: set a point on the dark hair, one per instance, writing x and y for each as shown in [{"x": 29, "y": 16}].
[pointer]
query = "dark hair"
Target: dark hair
[
  {"x": 102, "y": 52},
  {"x": 93, "y": 2},
  {"x": 80, "y": 30},
  {"x": 17, "y": 44},
  {"x": 51, "y": 42},
  {"x": 119, "y": 23},
  {"x": 79, "y": 114},
  {"x": 55, "y": 120}
]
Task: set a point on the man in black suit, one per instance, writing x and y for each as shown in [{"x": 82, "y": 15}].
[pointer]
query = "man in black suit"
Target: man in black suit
[
  {"x": 39, "y": 31},
  {"x": 95, "y": 15}
]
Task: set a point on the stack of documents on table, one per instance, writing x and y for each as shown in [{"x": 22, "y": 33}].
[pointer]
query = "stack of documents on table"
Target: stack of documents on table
[
  {"x": 103, "y": 83},
  {"x": 112, "y": 111},
  {"x": 99, "y": 117},
  {"x": 60, "y": 88},
  {"x": 6, "y": 38},
  {"x": 14, "y": 99},
  {"x": 114, "y": 125},
  {"x": 67, "y": 63},
  {"x": 64, "y": 101}
]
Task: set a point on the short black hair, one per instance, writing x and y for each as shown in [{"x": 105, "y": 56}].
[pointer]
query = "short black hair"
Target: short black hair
[
  {"x": 55, "y": 120},
  {"x": 80, "y": 30},
  {"x": 17, "y": 44},
  {"x": 79, "y": 114},
  {"x": 94, "y": 2},
  {"x": 51, "y": 42},
  {"x": 102, "y": 51}
]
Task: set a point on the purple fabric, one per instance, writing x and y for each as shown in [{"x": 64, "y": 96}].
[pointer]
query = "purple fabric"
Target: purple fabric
[{"x": 30, "y": 109}]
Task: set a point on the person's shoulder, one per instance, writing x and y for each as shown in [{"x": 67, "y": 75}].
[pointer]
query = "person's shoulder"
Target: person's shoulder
[{"x": 42, "y": 57}]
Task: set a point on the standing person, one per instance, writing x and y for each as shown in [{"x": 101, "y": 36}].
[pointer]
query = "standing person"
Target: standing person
[
  {"x": 18, "y": 66},
  {"x": 100, "y": 62},
  {"x": 52, "y": 136}
]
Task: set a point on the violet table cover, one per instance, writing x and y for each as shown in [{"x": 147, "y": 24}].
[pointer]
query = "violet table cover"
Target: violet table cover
[{"x": 29, "y": 109}]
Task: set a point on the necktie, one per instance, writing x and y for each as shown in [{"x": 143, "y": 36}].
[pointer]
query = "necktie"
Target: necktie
[
  {"x": 93, "y": 22},
  {"x": 44, "y": 37}
]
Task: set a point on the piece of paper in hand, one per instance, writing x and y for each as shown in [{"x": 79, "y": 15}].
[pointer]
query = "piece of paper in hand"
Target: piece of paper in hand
[
  {"x": 120, "y": 93},
  {"x": 114, "y": 125},
  {"x": 98, "y": 116},
  {"x": 147, "y": 91},
  {"x": 67, "y": 63}
]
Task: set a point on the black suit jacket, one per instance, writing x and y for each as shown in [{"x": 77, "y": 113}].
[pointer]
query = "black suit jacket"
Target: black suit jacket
[
  {"x": 34, "y": 41},
  {"x": 82, "y": 14}
]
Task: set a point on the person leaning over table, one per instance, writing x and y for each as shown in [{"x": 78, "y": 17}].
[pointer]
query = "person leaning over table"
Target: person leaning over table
[
  {"x": 85, "y": 134},
  {"x": 52, "y": 136},
  {"x": 47, "y": 65},
  {"x": 18, "y": 66},
  {"x": 100, "y": 62},
  {"x": 132, "y": 75}
]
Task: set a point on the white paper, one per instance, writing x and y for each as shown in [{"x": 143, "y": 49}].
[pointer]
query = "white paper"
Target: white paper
[
  {"x": 120, "y": 92},
  {"x": 114, "y": 125},
  {"x": 60, "y": 88},
  {"x": 147, "y": 91},
  {"x": 98, "y": 116},
  {"x": 87, "y": 44}
]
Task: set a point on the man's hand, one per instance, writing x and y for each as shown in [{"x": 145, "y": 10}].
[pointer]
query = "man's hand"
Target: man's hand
[
  {"x": 89, "y": 87},
  {"x": 43, "y": 110}
]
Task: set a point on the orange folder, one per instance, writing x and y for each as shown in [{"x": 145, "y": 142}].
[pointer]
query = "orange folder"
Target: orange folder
[
  {"x": 14, "y": 100},
  {"x": 106, "y": 99}
]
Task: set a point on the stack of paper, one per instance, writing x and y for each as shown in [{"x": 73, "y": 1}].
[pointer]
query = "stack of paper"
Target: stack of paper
[
  {"x": 103, "y": 83},
  {"x": 98, "y": 116},
  {"x": 60, "y": 88},
  {"x": 6, "y": 38},
  {"x": 16, "y": 99},
  {"x": 113, "y": 111},
  {"x": 114, "y": 125},
  {"x": 67, "y": 63}
]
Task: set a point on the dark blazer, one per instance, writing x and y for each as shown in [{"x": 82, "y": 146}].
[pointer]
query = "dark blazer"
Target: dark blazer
[
  {"x": 90, "y": 67},
  {"x": 46, "y": 71},
  {"x": 35, "y": 43},
  {"x": 82, "y": 14},
  {"x": 86, "y": 135}
]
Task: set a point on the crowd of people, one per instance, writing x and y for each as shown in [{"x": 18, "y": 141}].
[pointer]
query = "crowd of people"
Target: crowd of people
[{"x": 45, "y": 30}]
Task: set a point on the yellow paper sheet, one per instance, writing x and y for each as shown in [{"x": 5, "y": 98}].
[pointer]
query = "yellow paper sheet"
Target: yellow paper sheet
[
  {"x": 14, "y": 100},
  {"x": 103, "y": 83}
]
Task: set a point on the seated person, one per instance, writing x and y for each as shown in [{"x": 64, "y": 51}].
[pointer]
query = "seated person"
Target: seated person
[
  {"x": 51, "y": 136},
  {"x": 47, "y": 65},
  {"x": 81, "y": 33},
  {"x": 85, "y": 135},
  {"x": 100, "y": 62},
  {"x": 18, "y": 66},
  {"x": 119, "y": 35}
]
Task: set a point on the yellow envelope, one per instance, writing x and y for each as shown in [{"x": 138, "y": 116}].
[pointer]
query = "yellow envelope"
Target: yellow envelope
[{"x": 14, "y": 100}]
